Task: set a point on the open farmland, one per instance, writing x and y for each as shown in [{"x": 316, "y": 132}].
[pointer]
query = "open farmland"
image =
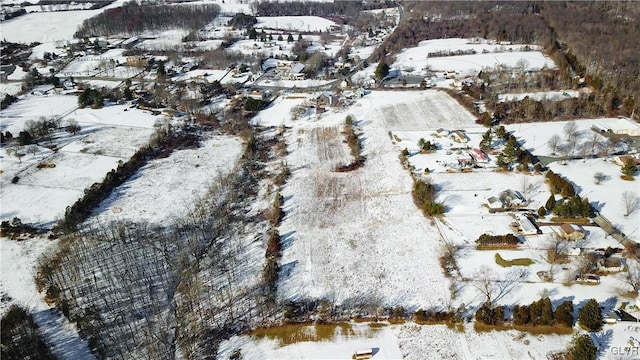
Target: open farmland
[
  {"x": 295, "y": 23},
  {"x": 469, "y": 56},
  {"x": 46, "y": 26},
  {"x": 423, "y": 111},
  {"x": 166, "y": 188},
  {"x": 357, "y": 236}
]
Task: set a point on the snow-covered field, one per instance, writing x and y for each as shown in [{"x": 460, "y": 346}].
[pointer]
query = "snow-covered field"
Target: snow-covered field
[
  {"x": 295, "y": 23},
  {"x": 358, "y": 235},
  {"x": 488, "y": 55},
  {"x": 45, "y": 27},
  {"x": 165, "y": 188}
]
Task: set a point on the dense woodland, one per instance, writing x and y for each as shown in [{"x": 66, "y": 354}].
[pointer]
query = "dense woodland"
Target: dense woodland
[
  {"x": 132, "y": 19},
  {"x": 342, "y": 12}
]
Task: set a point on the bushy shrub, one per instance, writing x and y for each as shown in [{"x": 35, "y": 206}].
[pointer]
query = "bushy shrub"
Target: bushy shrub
[
  {"x": 507, "y": 239},
  {"x": 255, "y": 104}
]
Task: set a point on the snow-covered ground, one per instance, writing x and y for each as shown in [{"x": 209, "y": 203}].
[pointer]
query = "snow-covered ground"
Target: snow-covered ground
[
  {"x": 295, "y": 23},
  {"x": 358, "y": 235},
  {"x": 488, "y": 55},
  {"x": 540, "y": 95},
  {"x": 46, "y": 27},
  {"x": 166, "y": 188},
  {"x": 108, "y": 136},
  {"x": 406, "y": 341}
]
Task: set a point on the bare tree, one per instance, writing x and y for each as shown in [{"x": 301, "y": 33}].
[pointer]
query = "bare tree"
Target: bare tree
[
  {"x": 599, "y": 177},
  {"x": 585, "y": 263},
  {"x": 631, "y": 202},
  {"x": 494, "y": 289},
  {"x": 553, "y": 143},
  {"x": 595, "y": 142},
  {"x": 571, "y": 130},
  {"x": 556, "y": 249},
  {"x": 633, "y": 274}
]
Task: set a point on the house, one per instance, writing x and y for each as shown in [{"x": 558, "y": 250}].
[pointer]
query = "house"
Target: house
[
  {"x": 130, "y": 42},
  {"x": 611, "y": 318},
  {"x": 256, "y": 95},
  {"x": 610, "y": 264},
  {"x": 479, "y": 156},
  {"x": 442, "y": 132},
  {"x": 622, "y": 126},
  {"x": 569, "y": 232},
  {"x": 527, "y": 227},
  {"x": 137, "y": 61},
  {"x": 494, "y": 203},
  {"x": 327, "y": 98},
  {"x": 459, "y": 136},
  {"x": 513, "y": 198},
  {"x": 588, "y": 278},
  {"x": 622, "y": 160},
  {"x": 297, "y": 72}
]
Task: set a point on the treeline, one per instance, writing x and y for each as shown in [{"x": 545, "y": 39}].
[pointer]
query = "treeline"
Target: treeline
[
  {"x": 21, "y": 339},
  {"x": 342, "y": 11},
  {"x": 132, "y": 18},
  {"x": 423, "y": 197},
  {"x": 536, "y": 314},
  {"x": 163, "y": 144},
  {"x": 613, "y": 65},
  {"x": 559, "y": 185},
  {"x": 355, "y": 147}
]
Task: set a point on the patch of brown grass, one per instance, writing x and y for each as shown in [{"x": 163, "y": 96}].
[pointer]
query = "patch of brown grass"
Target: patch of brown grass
[
  {"x": 556, "y": 329},
  {"x": 45, "y": 165}
]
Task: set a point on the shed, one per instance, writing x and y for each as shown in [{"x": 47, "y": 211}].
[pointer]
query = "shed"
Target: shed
[
  {"x": 494, "y": 203},
  {"x": 528, "y": 227},
  {"x": 362, "y": 354},
  {"x": 459, "y": 136},
  {"x": 570, "y": 232},
  {"x": 297, "y": 72}
]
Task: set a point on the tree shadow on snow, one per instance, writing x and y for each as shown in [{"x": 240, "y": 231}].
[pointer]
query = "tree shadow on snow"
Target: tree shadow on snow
[{"x": 286, "y": 240}]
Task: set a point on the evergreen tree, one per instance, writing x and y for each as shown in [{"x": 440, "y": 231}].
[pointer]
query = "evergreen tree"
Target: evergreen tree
[
  {"x": 280, "y": 38},
  {"x": 590, "y": 316},
  {"x": 542, "y": 211},
  {"x": 564, "y": 314},
  {"x": 299, "y": 37},
  {"x": 629, "y": 168},
  {"x": 582, "y": 348},
  {"x": 252, "y": 33},
  {"x": 290, "y": 38},
  {"x": 501, "y": 132},
  {"x": 509, "y": 152},
  {"x": 551, "y": 203},
  {"x": 487, "y": 139},
  {"x": 382, "y": 70},
  {"x": 161, "y": 72}
]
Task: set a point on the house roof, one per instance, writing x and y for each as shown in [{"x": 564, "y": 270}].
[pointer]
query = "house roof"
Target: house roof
[
  {"x": 568, "y": 229},
  {"x": 297, "y": 68}
]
